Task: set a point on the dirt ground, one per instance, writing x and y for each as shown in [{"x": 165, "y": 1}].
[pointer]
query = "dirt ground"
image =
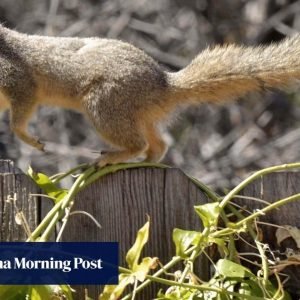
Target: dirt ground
[{"x": 217, "y": 144}]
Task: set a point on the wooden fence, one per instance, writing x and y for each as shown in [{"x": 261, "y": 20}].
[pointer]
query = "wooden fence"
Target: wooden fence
[{"x": 122, "y": 201}]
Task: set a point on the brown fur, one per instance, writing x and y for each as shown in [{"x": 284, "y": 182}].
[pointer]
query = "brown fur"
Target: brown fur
[{"x": 123, "y": 91}]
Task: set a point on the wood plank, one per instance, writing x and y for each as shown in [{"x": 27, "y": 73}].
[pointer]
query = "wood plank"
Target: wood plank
[
  {"x": 15, "y": 196},
  {"x": 121, "y": 203}
]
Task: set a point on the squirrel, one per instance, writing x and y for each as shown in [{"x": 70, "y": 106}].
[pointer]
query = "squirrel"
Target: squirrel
[{"x": 122, "y": 90}]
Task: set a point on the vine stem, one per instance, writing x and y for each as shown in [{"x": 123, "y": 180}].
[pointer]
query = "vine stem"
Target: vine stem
[
  {"x": 254, "y": 176},
  {"x": 264, "y": 262},
  {"x": 114, "y": 168},
  {"x": 167, "y": 266},
  {"x": 48, "y": 223},
  {"x": 58, "y": 177},
  {"x": 195, "y": 253},
  {"x": 189, "y": 286},
  {"x": 253, "y": 216}
]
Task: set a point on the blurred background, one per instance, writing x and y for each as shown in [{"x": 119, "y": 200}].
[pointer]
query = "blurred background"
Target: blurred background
[{"x": 219, "y": 145}]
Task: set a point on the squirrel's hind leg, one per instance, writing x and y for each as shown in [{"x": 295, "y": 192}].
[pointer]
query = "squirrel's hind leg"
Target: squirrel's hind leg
[
  {"x": 128, "y": 139},
  {"x": 156, "y": 146},
  {"x": 116, "y": 157},
  {"x": 129, "y": 151},
  {"x": 151, "y": 144}
]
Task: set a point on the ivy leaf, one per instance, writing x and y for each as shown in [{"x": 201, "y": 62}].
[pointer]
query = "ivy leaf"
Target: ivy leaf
[
  {"x": 10, "y": 292},
  {"x": 36, "y": 292},
  {"x": 113, "y": 292},
  {"x": 139, "y": 271},
  {"x": 208, "y": 213},
  {"x": 229, "y": 269},
  {"x": 40, "y": 293},
  {"x": 142, "y": 269},
  {"x": 221, "y": 243},
  {"x": 45, "y": 183},
  {"x": 67, "y": 291},
  {"x": 179, "y": 293},
  {"x": 183, "y": 239},
  {"x": 134, "y": 252}
]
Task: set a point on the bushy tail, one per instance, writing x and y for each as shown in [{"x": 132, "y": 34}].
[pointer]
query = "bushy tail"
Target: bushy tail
[{"x": 228, "y": 72}]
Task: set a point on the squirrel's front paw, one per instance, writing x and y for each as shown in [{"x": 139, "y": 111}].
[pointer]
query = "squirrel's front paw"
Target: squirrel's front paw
[
  {"x": 100, "y": 163},
  {"x": 39, "y": 145},
  {"x": 104, "y": 159},
  {"x": 115, "y": 157}
]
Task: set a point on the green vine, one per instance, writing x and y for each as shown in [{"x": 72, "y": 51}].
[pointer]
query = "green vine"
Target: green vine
[{"x": 230, "y": 279}]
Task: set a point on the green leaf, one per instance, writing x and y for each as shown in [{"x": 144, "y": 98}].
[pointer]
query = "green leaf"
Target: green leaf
[
  {"x": 67, "y": 291},
  {"x": 250, "y": 288},
  {"x": 183, "y": 239},
  {"x": 12, "y": 292},
  {"x": 113, "y": 292},
  {"x": 39, "y": 293},
  {"x": 35, "y": 292},
  {"x": 221, "y": 244},
  {"x": 142, "y": 269},
  {"x": 208, "y": 213},
  {"x": 134, "y": 252},
  {"x": 229, "y": 269},
  {"x": 45, "y": 183},
  {"x": 178, "y": 293}
]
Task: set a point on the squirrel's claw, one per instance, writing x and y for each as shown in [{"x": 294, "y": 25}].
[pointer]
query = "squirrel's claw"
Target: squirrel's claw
[{"x": 40, "y": 146}]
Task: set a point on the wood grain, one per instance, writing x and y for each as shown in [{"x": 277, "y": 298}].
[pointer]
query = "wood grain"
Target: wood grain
[
  {"x": 121, "y": 203},
  {"x": 15, "y": 196}
]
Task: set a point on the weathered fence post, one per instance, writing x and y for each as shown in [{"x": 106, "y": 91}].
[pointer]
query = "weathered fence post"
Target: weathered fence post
[
  {"x": 121, "y": 203},
  {"x": 15, "y": 196}
]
